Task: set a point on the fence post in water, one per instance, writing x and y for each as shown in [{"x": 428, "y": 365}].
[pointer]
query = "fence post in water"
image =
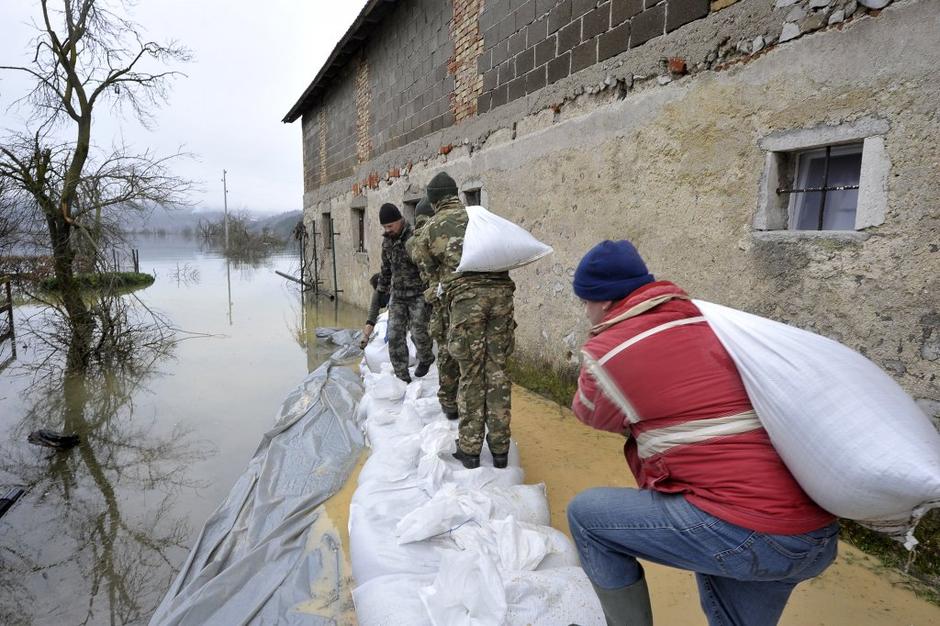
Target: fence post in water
[
  {"x": 316, "y": 262},
  {"x": 9, "y": 334}
]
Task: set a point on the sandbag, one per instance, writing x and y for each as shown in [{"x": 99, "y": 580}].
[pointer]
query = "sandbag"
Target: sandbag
[
  {"x": 376, "y": 351},
  {"x": 851, "y": 436},
  {"x": 494, "y": 244}
]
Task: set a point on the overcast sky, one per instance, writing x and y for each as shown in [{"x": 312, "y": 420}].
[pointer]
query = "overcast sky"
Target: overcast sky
[{"x": 251, "y": 62}]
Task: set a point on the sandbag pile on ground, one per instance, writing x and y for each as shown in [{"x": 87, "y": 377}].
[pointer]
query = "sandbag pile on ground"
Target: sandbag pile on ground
[
  {"x": 434, "y": 543},
  {"x": 850, "y": 435},
  {"x": 376, "y": 351}
]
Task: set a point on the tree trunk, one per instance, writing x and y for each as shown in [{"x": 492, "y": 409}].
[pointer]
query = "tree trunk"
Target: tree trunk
[{"x": 81, "y": 323}]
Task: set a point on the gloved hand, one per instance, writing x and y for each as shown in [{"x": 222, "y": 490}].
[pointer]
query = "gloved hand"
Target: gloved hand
[{"x": 366, "y": 333}]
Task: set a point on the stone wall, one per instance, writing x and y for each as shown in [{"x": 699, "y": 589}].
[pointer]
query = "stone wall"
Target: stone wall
[{"x": 662, "y": 144}]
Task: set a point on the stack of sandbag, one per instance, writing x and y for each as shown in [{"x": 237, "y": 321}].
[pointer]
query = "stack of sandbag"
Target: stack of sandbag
[
  {"x": 434, "y": 543},
  {"x": 494, "y": 244},
  {"x": 854, "y": 440},
  {"x": 376, "y": 351}
]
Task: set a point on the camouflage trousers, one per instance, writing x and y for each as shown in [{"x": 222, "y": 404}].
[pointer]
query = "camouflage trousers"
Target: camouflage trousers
[
  {"x": 447, "y": 368},
  {"x": 406, "y": 314},
  {"x": 481, "y": 337}
]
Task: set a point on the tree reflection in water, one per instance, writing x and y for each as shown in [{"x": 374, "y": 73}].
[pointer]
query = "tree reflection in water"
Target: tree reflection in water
[{"x": 97, "y": 538}]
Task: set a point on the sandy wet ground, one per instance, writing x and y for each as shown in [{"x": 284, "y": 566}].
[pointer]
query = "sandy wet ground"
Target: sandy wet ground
[{"x": 569, "y": 457}]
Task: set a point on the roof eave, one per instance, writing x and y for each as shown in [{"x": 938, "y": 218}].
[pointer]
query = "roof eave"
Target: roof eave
[{"x": 371, "y": 14}]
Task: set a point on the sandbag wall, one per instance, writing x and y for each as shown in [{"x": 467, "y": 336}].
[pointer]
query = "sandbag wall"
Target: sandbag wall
[{"x": 434, "y": 543}]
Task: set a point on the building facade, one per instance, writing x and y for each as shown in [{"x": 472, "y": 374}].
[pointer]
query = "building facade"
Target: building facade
[{"x": 777, "y": 156}]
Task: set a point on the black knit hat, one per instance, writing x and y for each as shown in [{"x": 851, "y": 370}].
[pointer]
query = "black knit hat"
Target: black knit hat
[
  {"x": 389, "y": 213},
  {"x": 441, "y": 186},
  {"x": 423, "y": 208}
]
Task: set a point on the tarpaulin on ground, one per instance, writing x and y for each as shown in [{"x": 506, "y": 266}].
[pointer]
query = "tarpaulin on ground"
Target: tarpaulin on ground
[{"x": 255, "y": 559}]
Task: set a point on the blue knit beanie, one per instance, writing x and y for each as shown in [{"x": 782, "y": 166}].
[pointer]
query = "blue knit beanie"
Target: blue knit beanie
[{"x": 611, "y": 270}]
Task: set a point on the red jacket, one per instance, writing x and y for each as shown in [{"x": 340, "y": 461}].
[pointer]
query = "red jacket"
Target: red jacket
[{"x": 655, "y": 371}]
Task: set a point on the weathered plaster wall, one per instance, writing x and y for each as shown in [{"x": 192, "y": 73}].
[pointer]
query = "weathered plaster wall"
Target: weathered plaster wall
[{"x": 676, "y": 167}]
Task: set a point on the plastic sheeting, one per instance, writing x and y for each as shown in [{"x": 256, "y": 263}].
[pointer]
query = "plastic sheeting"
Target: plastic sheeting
[
  {"x": 256, "y": 557},
  {"x": 434, "y": 543}
]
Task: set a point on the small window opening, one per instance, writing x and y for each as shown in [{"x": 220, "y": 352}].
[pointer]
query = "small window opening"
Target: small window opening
[
  {"x": 472, "y": 197},
  {"x": 326, "y": 223},
  {"x": 408, "y": 208},
  {"x": 825, "y": 191},
  {"x": 359, "y": 219}
]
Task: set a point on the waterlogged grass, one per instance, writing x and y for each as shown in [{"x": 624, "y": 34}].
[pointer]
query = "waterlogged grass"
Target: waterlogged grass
[
  {"x": 923, "y": 564},
  {"x": 544, "y": 379},
  {"x": 106, "y": 280}
]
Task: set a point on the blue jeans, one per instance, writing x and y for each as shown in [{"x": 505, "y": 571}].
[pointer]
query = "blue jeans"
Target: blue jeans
[{"x": 744, "y": 577}]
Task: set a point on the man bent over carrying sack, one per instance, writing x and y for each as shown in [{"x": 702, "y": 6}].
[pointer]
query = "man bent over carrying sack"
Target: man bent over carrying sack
[
  {"x": 447, "y": 368},
  {"x": 480, "y": 326},
  {"x": 714, "y": 497},
  {"x": 406, "y": 308}
]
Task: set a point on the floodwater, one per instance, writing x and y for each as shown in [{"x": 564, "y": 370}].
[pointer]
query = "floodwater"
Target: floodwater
[{"x": 102, "y": 528}]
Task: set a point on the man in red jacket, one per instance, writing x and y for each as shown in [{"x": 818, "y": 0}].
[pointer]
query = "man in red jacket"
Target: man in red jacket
[{"x": 714, "y": 496}]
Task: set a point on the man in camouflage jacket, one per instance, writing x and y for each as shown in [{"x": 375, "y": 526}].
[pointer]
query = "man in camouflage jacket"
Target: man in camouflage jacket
[
  {"x": 406, "y": 308},
  {"x": 481, "y": 329},
  {"x": 447, "y": 368}
]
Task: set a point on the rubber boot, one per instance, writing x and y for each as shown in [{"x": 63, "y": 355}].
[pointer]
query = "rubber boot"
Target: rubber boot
[
  {"x": 452, "y": 415},
  {"x": 404, "y": 377},
  {"x": 423, "y": 368},
  {"x": 500, "y": 461},
  {"x": 470, "y": 461},
  {"x": 627, "y": 606}
]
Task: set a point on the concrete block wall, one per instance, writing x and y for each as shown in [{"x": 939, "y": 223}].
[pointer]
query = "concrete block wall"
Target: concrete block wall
[
  {"x": 408, "y": 60},
  {"x": 533, "y": 43}
]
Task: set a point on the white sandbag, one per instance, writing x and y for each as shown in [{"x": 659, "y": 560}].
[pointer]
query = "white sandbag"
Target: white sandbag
[
  {"x": 556, "y": 597},
  {"x": 513, "y": 546},
  {"x": 392, "y": 600},
  {"x": 468, "y": 591},
  {"x": 376, "y": 351},
  {"x": 452, "y": 507},
  {"x": 849, "y": 434},
  {"x": 494, "y": 244}
]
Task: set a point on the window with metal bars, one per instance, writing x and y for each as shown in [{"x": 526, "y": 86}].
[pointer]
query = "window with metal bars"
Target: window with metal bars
[
  {"x": 824, "y": 195},
  {"x": 359, "y": 221}
]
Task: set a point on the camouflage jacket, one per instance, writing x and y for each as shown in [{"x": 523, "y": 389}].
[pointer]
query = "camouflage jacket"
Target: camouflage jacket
[
  {"x": 437, "y": 249},
  {"x": 399, "y": 277}
]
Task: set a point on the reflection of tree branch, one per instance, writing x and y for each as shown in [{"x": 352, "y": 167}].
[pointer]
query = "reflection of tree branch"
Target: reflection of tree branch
[{"x": 126, "y": 563}]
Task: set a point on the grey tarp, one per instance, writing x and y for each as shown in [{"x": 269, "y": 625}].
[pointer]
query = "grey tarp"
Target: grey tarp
[{"x": 252, "y": 563}]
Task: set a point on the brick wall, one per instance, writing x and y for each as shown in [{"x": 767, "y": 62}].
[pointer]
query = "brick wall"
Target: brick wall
[
  {"x": 531, "y": 44},
  {"x": 468, "y": 46},
  {"x": 408, "y": 65},
  {"x": 363, "y": 111},
  {"x": 433, "y": 63}
]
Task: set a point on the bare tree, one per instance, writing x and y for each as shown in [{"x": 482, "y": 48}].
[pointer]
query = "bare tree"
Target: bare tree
[{"x": 86, "y": 56}]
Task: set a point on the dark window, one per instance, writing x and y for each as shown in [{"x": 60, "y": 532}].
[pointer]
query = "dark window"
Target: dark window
[
  {"x": 472, "y": 197},
  {"x": 824, "y": 195},
  {"x": 359, "y": 219},
  {"x": 326, "y": 222}
]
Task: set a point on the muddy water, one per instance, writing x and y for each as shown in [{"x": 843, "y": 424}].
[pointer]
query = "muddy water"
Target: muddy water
[{"x": 102, "y": 528}]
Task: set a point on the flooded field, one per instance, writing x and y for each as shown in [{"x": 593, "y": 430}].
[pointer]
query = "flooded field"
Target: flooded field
[{"x": 102, "y": 528}]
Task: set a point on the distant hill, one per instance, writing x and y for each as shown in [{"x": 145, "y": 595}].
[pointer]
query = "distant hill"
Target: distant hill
[
  {"x": 185, "y": 221},
  {"x": 281, "y": 226}
]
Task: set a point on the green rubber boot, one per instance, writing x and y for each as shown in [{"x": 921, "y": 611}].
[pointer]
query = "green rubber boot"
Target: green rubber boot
[{"x": 627, "y": 606}]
